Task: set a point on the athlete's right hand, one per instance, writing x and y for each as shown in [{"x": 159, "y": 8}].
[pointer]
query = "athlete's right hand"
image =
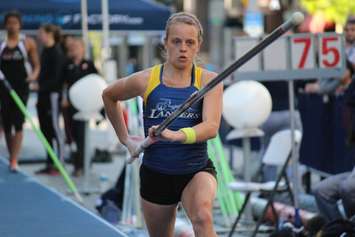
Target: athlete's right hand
[
  {"x": 132, "y": 143},
  {"x": 136, "y": 146}
]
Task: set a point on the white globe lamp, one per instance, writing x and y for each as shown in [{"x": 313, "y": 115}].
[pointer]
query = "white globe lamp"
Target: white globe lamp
[
  {"x": 246, "y": 104},
  {"x": 85, "y": 95}
]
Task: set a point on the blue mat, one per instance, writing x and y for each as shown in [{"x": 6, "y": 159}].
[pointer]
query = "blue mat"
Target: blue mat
[{"x": 29, "y": 209}]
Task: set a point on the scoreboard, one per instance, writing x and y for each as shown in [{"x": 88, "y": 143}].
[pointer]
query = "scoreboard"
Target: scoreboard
[{"x": 292, "y": 57}]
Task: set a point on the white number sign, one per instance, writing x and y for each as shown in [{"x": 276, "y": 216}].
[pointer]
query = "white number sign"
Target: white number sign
[
  {"x": 329, "y": 51},
  {"x": 302, "y": 52}
]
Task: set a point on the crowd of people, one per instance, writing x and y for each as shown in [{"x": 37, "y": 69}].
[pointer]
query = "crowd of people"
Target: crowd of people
[
  {"x": 51, "y": 74},
  {"x": 342, "y": 186}
]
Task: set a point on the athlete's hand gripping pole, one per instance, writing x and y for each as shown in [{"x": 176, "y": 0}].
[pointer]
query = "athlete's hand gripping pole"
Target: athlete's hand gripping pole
[{"x": 296, "y": 19}]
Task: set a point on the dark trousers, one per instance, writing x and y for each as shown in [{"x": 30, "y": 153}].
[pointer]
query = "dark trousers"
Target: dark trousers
[
  {"x": 77, "y": 128},
  {"x": 11, "y": 115},
  {"x": 48, "y": 116},
  {"x": 67, "y": 125},
  {"x": 332, "y": 189}
]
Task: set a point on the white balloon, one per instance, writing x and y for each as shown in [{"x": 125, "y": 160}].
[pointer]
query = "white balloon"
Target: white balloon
[
  {"x": 85, "y": 94},
  {"x": 246, "y": 104}
]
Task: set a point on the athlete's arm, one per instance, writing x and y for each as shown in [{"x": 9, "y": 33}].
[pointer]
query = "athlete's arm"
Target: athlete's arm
[
  {"x": 211, "y": 115},
  {"x": 33, "y": 57},
  {"x": 123, "y": 89},
  {"x": 211, "y": 110}
]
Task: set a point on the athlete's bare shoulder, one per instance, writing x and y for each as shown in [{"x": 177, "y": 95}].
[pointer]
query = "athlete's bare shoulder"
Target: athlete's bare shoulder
[
  {"x": 139, "y": 78},
  {"x": 207, "y": 76},
  {"x": 130, "y": 86},
  {"x": 143, "y": 75}
]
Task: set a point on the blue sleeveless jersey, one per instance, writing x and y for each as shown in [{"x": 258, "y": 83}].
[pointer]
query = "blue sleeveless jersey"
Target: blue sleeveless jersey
[{"x": 159, "y": 102}]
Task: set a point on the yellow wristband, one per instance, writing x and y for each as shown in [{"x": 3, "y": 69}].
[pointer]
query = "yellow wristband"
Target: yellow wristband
[{"x": 190, "y": 135}]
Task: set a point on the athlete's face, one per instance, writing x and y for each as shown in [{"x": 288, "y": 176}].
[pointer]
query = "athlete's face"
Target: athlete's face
[
  {"x": 12, "y": 25},
  {"x": 182, "y": 44},
  {"x": 350, "y": 33}
]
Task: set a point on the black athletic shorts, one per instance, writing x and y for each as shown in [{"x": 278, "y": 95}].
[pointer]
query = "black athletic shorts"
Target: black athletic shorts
[
  {"x": 166, "y": 189},
  {"x": 11, "y": 115}
]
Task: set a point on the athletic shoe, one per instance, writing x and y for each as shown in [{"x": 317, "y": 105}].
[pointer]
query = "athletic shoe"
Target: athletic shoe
[
  {"x": 13, "y": 169},
  {"x": 13, "y": 166},
  {"x": 54, "y": 172},
  {"x": 77, "y": 173},
  {"x": 47, "y": 171}
]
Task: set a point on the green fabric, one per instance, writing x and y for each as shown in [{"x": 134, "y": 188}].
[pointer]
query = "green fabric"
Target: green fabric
[{"x": 229, "y": 200}]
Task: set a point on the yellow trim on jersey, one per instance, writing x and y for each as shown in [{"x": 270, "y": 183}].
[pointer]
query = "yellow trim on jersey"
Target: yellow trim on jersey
[
  {"x": 153, "y": 82},
  {"x": 198, "y": 78}
]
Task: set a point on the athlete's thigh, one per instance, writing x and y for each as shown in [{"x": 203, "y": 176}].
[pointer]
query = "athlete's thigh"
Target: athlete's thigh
[
  {"x": 199, "y": 193},
  {"x": 160, "y": 219}
]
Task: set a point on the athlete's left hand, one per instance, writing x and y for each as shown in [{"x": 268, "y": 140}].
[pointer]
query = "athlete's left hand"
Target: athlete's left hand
[{"x": 167, "y": 135}]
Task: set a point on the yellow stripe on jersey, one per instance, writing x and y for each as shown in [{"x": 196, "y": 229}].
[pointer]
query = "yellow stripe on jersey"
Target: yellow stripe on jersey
[
  {"x": 198, "y": 78},
  {"x": 153, "y": 82}
]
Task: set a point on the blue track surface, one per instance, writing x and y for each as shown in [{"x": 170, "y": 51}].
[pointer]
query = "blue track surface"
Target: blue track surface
[{"x": 29, "y": 209}]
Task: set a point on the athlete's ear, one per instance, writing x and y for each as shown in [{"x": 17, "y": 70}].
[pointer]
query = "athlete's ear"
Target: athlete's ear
[
  {"x": 199, "y": 44},
  {"x": 165, "y": 42}
]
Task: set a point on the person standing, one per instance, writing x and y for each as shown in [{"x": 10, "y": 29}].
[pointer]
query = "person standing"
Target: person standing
[
  {"x": 49, "y": 92},
  {"x": 341, "y": 186},
  {"x": 176, "y": 168},
  {"x": 349, "y": 34},
  {"x": 74, "y": 69},
  {"x": 19, "y": 63},
  {"x": 66, "y": 42}
]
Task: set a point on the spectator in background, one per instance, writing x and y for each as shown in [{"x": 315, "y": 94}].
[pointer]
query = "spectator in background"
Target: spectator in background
[
  {"x": 333, "y": 189},
  {"x": 349, "y": 108},
  {"x": 74, "y": 69},
  {"x": 49, "y": 91},
  {"x": 349, "y": 31},
  {"x": 338, "y": 85},
  {"x": 332, "y": 86},
  {"x": 341, "y": 186},
  {"x": 65, "y": 44},
  {"x": 20, "y": 66}
]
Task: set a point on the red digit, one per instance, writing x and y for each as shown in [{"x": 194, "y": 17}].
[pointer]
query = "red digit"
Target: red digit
[
  {"x": 333, "y": 50},
  {"x": 307, "y": 45}
]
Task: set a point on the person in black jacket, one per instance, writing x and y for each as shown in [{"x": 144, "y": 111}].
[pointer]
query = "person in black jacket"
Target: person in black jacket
[
  {"x": 49, "y": 90},
  {"x": 74, "y": 69}
]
